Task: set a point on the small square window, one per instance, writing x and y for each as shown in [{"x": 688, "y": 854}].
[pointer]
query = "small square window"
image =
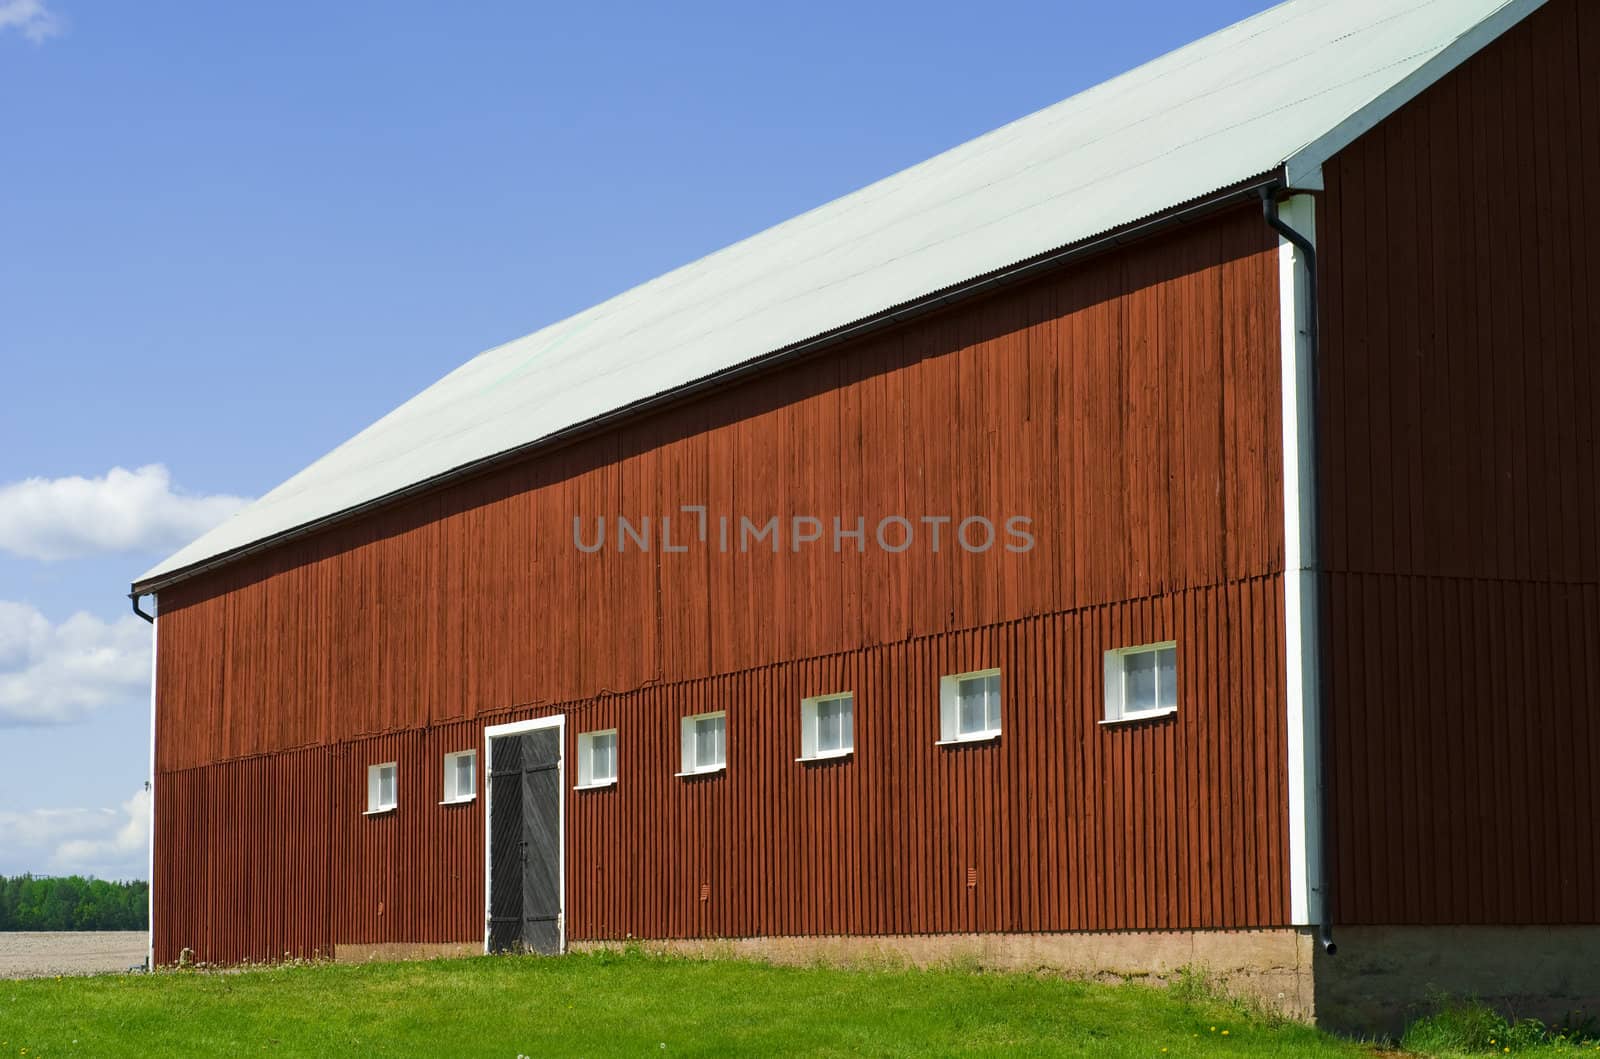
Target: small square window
[
  {"x": 597, "y": 758},
  {"x": 969, "y": 707},
  {"x": 1141, "y": 682},
  {"x": 704, "y": 743},
  {"x": 827, "y": 726},
  {"x": 382, "y": 788},
  {"x": 460, "y": 776}
]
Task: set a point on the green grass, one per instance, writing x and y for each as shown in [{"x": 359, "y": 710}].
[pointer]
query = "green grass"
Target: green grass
[
  {"x": 631, "y": 1004},
  {"x": 1469, "y": 1028},
  {"x": 623, "y": 1004}
]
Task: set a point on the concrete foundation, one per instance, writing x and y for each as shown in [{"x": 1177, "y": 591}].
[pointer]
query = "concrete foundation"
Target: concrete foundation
[
  {"x": 1382, "y": 978},
  {"x": 1271, "y": 966}
]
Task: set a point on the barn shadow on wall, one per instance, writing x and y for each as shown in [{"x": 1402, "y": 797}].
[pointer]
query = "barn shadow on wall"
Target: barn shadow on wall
[{"x": 1459, "y": 396}]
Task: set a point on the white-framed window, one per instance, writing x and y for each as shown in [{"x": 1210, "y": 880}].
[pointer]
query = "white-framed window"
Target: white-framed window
[
  {"x": 460, "y": 777},
  {"x": 827, "y": 726},
  {"x": 1141, "y": 682},
  {"x": 383, "y": 788},
  {"x": 969, "y": 707},
  {"x": 597, "y": 759},
  {"x": 704, "y": 741}
]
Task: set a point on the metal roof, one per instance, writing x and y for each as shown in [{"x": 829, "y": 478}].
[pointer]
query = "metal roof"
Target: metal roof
[{"x": 1279, "y": 92}]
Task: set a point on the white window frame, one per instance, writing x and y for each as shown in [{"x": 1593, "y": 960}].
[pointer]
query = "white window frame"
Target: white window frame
[
  {"x": 375, "y": 789},
  {"x": 586, "y": 780},
  {"x": 687, "y": 742},
  {"x": 808, "y": 727},
  {"x": 950, "y": 733},
  {"x": 452, "y": 796},
  {"x": 1116, "y": 694}
]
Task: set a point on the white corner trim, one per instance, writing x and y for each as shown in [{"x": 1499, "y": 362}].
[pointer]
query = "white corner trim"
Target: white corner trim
[
  {"x": 150, "y": 889},
  {"x": 826, "y": 755},
  {"x": 1302, "y": 688},
  {"x": 492, "y": 732},
  {"x": 711, "y": 771},
  {"x": 1311, "y": 180},
  {"x": 1303, "y": 169},
  {"x": 1142, "y": 715},
  {"x": 976, "y": 737}
]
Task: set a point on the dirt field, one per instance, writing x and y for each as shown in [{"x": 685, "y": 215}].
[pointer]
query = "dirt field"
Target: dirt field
[{"x": 25, "y": 954}]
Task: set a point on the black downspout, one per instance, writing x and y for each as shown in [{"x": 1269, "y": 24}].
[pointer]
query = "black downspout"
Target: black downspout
[
  {"x": 134, "y": 598},
  {"x": 1269, "y": 203}
]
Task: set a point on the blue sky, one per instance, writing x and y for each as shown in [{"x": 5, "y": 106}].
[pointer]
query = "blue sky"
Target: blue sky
[{"x": 233, "y": 235}]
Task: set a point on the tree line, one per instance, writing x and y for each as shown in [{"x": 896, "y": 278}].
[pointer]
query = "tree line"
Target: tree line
[{"x": 71, "y": 902}]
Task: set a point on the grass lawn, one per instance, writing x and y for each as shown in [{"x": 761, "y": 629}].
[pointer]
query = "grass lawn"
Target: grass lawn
[{"x": 616, "y": 1004}]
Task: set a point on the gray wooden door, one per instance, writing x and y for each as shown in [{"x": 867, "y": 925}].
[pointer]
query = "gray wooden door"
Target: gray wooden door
[{"x": 525, "y": 842}]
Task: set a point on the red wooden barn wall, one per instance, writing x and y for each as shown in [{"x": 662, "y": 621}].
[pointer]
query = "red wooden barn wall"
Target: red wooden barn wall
[
  {"x": 1460, "y": 397},
  {"x": 1129, "y": 407}
]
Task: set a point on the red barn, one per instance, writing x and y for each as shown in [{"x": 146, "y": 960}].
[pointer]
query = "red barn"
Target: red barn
[{"x": 1160, "y": 532}]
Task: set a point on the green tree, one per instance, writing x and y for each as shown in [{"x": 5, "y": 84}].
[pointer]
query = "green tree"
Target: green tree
[{"x": 72, "y": 902}]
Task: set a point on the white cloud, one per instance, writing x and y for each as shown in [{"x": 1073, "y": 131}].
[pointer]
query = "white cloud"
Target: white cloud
[
  {"x": 127, "y": 844},
  {"x": 108, "y": 843},
  {"x": 31, "y": 18},
  {"x": 125, "y": 511},
  {"x": 55, "y": 674}
]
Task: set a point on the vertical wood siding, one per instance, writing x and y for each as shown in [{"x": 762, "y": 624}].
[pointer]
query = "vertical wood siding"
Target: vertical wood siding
[
  {"x": 1129, "y": 407},
  {"x": 1461, "y": 393},
  {"x": 1064, "y": 824}
]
